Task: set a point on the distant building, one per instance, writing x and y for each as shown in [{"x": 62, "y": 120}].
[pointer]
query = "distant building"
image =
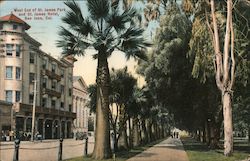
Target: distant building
[
  {"x": 22, "y": 62},
  {"x": 80, "y": 102}
]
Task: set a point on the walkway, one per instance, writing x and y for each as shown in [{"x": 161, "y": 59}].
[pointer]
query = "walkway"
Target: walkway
[{"x": 168, "y": 150}]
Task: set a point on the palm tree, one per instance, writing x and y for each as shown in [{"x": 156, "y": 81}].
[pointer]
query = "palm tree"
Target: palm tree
[{"x": 107, "y": 28}]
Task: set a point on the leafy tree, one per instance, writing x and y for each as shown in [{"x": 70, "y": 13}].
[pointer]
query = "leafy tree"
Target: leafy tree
[
  {"x": 216, "y": 45},
  {"x": 122, "y": 88},
  {"x": 167, "y": 72},
  {"x": 106, "y": 29}
]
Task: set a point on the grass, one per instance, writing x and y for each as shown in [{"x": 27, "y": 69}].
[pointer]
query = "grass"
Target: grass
[
  {"x": 121, "y": 155},
  {"x": 197, "y": 151}
]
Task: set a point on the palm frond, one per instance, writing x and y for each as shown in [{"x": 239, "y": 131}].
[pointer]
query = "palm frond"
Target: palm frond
[
  {"x": 132, "y": 32},
  {"x": 73, "y": 6},
  {"x": 86, "y": 28},
  {"x": 74, "y": 13},
  {"x": 70, "y": 43},
  {"x": 76, "y": 21},
  {"x": 118, "y": 20},
  {"x": 133, "y": 44},
  {"x": 114, "y": 4},
  {"x": 98, "y": 8},
  {"x": 136, "y": 53},
  {"x": 130, "y": 13}
]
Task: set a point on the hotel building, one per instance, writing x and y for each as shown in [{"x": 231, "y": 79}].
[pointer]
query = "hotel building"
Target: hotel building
[{"x": 22, "y": 63}]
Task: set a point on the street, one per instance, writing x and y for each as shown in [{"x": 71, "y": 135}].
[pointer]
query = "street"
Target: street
[{"x": 45, "y": 150}]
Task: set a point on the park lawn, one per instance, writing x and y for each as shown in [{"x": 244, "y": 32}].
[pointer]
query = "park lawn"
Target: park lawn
[
  {"x": 197, "y": 151},
  {"x": 121, "y": 155}
]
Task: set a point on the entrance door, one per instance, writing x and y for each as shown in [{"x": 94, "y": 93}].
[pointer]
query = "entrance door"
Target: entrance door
[
  {"x": 40, "y": 126},
  {"x": 63, "y": 129},
  {"x": 48, "y": 129},
  {"x": 69, "y": 130},
  {"x": 56, "y": 129}
]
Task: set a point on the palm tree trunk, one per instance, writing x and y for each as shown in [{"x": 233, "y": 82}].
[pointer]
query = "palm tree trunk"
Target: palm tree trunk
[
  {"x": 123, "y": 140},
  {"x": 102, "y": 147},
  {"x": 149, "y": 129},
  {"x": 249, "y": 134},
  {"x": 130, "y": 138},
  {"x": 207, "y": 132},
  {"x": 135, "y": 132},
  {"x": 144, "y": 132}
]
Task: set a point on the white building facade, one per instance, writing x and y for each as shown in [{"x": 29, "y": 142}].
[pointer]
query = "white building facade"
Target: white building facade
[
  {"x": 21, "y": 63},
  {"x": 80, "y": 106}
]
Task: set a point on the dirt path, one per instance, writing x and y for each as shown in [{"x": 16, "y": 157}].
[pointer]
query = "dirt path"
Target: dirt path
[{"x": 168, "y": 150}]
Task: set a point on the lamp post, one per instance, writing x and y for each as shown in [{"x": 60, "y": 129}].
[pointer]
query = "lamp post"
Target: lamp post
[{"x": 33, "y": 112}]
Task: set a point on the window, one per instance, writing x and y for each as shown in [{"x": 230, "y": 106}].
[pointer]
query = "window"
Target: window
[
  {"x": 62, "y": 104},
  {"x": 18, "y": 96},
  {"x": 53, "y": 68},
  {"x": 1, "y": 26},
  {"x": 32, "y": 77},
  {"x": 53, "y": 85},
  {"x": 44, "y": 102},
  {"x": 18, "y": 50},
  {"x": 9, "y": 49},
  {"x": 62, "y": 89},
  {"x": 44, "y": 82},
  {"x": 32, "y": 58},
  {"x": 18, "y": 73},
  {"x": 62, "y": 73},
  {"x": 70, "y": 77},
  {"x": 14, "y": 27},
  {"x": 53, "y": 103},
  {"x": 44, "y": 63},
  {"x": 8, "y": 96},
  {"x": 9, "y": 72},
  {"x": 70, "y": 108},
  {"x": 70, "y": 92},
  {"x": 31, "y": 97}
]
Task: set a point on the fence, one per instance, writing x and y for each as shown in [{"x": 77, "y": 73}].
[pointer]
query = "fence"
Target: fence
[{"x": 46, "y": 150}]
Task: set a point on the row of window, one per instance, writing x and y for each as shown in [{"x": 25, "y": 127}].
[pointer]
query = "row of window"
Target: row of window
[
  {"x": 9, "y": 96},
  {"x": 9, "y": 72},
  {"x": 14, "y": 27},
  {"x": 45, "y": 102},
  {"x": 54, "y": 86},
  {"x": 10, "y": 48},
  {"x": 53, "y": 67}
]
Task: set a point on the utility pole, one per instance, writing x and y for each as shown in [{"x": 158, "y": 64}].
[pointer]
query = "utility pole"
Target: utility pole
[{"x": 33, "y": 112}]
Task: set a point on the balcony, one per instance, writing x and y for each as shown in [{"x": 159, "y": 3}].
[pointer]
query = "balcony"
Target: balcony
[
  {"x": 51, "y": 75},
  {"x": 47, "y": 111},
  {"x": 51, "y": 92}
]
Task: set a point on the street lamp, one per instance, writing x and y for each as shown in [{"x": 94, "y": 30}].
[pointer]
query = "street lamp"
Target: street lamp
[{"x": 33, "y": 112}]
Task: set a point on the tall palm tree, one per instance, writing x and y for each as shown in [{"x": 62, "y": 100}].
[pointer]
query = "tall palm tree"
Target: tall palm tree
[{"x": 107, "y": 28}]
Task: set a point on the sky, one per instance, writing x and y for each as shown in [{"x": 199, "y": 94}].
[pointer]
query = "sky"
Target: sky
[{"x": 44, "y": 28}]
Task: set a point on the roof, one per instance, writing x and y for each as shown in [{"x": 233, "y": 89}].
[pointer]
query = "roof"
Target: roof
[
  {"x": 75, "y": 78},
  {"x": 80, "y": 79},
  {"x": 13, "y": 18}
]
